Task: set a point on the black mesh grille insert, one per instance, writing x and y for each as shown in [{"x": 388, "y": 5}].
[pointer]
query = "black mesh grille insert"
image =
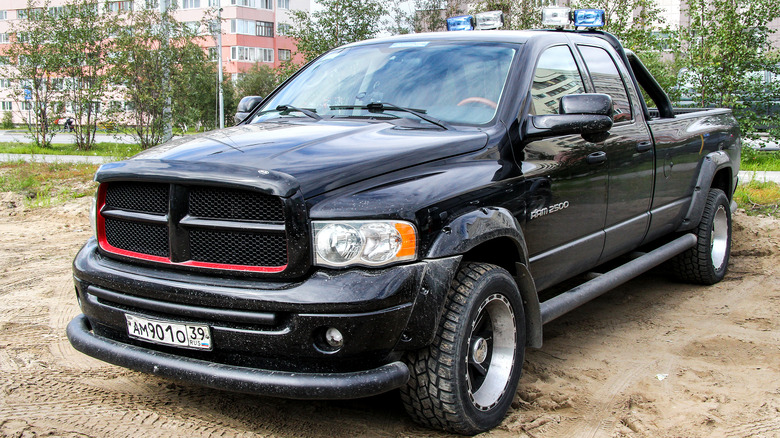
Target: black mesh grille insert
[
  {"x": 234, "y": 248},
  {"x": 145, "y": 197},
  {"x": 138, "y": 237},
  {"x": 219, "y": 203}
]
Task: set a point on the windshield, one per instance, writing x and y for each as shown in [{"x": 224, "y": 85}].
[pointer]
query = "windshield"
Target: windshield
[{"x": 453, "y": 82}]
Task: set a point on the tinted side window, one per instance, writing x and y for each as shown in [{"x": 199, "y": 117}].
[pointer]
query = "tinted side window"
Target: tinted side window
[
  {"x": 606, "y": 79},
  {"x": 556, "y": 75}
]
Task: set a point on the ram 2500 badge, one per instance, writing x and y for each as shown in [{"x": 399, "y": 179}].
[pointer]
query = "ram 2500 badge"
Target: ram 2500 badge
[{"x": 388, "y": 216}]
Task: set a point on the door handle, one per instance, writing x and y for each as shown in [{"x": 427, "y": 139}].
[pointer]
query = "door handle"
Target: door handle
[
  {"x": 644, "y": 146},
  {"x": 596, "y": 157}
]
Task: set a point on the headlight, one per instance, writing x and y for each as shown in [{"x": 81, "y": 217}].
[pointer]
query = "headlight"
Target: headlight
[{"x": 367, "y": 243}]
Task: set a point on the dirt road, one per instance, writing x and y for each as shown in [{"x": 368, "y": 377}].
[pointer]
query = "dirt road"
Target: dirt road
[{"x": 653, "y": 358}]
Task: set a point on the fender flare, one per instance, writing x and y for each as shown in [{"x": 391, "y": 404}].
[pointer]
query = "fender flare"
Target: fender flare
[
  {"x": 476, "y": 227},
  {"x": 711, "y": 164}
]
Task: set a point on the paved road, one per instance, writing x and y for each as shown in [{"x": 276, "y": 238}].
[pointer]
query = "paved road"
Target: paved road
[
  {"x": 765, "y": 146},
  {"x": 745, "y": 176},
  {"x": 63, "y": 137},
  {"x": 40, "y": 158}
]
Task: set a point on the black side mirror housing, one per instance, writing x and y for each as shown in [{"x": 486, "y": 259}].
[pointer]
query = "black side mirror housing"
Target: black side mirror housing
[
  {"x": 592, "y": 103},
  {"x": 245, "y": 106},
  {"x": 585, "y": 114}
]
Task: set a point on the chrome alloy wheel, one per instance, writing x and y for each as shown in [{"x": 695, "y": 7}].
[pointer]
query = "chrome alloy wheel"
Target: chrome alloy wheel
[
  {"x": 491, "y": 352},
  {"x": 719, "y": 238}
]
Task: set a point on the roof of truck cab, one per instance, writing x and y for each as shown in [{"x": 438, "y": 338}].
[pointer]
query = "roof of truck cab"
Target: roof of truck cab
[{"x": 496, "y": 36}]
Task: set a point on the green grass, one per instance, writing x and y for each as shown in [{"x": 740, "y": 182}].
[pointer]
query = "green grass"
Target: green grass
[
  {"x": 120, "y": 150},
  {"x": 754, "y": 160},
  {"x": 758, "y": 197},
  {"x": 45, "y": 184}
]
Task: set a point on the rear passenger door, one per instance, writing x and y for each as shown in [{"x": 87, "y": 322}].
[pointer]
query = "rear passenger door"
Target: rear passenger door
[{"x": 630, "y": 154}]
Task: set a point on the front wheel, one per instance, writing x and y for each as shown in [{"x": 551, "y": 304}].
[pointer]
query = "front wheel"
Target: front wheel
[
  {"x": 464, "y": 382},
  {"x": 707, "y": 262}
]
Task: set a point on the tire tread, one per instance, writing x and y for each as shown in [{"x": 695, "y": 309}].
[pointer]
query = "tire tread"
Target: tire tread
[
  {"x": 695, "y": 264},
  {"x": 430, "y": 398}
]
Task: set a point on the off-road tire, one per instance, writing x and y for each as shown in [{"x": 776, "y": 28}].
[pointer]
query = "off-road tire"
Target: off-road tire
[
  {"x": 707, "y": 262},
  {"x": 439, "y": 393}
]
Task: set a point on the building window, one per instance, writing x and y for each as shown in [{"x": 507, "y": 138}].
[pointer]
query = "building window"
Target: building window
[
  {"x": 26, "y": 105},
  {"x": 247, "y": 3},
  {"x": 3, "y": 38},
  {"x": 237, "y": 53},
  {"x": 214, "y": 3},
  {"x": 266, "y": 4},
  {"x": 212, "y": 53},
  {"x": 265, "y": 28},
  {"x": 3, "y": 15},
  {"x": 7, "y": 106},
  {"x": 285, "y": 55},
  {"x": 283, "y": 4},
  {"x": 22, "y": 13},
  {"x": 5, "y": 83},
  {"x": 283, "y": 29},
  {"x": 56, "y": 11},
  {"x": 243, "y": 27},
  {"x": 267, "y": 55},
  {"x": 120, "y": 6},
  {"x": 192, "y": 26},
  {"x": 252, "y": 54},
  {"x": 190, "y": 4}
]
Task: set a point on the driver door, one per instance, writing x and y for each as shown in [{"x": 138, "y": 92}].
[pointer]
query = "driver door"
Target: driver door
[{"x": 567, "y": 180}]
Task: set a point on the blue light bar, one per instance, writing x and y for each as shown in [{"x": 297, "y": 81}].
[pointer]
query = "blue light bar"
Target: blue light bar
[
  {"x": 460, "y": 22},
  {"x": 588, "y": 18}
]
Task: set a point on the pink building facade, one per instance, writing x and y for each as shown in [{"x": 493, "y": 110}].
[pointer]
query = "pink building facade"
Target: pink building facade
[{"x": 253, "y": 31}]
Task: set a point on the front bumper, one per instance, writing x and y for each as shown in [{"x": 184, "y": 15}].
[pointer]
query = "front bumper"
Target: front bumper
[
  {"x": 265, "y": 333},
  {"x": 311, "y": 386}
]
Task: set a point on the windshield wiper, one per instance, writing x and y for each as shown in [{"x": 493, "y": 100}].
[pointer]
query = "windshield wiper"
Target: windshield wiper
[
  {"x": 378, "y": 107},
  {"x": 287, "y": 109}
]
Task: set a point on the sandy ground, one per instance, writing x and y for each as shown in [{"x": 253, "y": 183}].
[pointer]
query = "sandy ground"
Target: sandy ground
[{"x": 653, "y": 358}]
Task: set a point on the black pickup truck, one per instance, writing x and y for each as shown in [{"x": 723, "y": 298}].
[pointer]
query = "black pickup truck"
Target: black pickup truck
[{"x": 388, "y": 217}]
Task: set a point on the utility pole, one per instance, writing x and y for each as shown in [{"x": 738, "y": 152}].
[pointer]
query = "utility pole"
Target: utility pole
[
  {"x": 168, "y": 129},
  {"x": 219, "y": 68}
]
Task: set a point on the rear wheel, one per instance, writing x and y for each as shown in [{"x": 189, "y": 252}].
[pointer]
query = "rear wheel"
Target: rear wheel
[
  {"x": 466, "y": 379},
  {"x": 707, "y": 262}
]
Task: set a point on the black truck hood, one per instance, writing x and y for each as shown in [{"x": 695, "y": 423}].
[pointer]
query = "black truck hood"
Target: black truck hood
[{"x": 318, "y": 156}]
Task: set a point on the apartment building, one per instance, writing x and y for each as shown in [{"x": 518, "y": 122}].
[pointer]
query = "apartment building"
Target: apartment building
[{"x": 253, "y": 31}]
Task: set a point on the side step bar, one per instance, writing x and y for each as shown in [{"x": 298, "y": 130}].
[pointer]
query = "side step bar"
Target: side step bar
[{"x": 573, "y": 298}]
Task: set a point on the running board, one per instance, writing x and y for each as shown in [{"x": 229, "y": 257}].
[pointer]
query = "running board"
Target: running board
[{"x": 573, "y": 298}]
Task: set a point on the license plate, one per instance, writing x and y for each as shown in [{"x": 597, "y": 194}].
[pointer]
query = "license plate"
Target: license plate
[{"x": 196, "y": 336}]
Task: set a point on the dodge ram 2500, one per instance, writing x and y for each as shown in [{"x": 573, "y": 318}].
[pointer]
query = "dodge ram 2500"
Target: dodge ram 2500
[{"x": 389, "y": 215}]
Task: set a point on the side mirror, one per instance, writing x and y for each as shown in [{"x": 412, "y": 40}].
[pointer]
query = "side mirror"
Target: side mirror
[
  {"x": 585, "y": 114},
  {"x": 245, "y": 106}
]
